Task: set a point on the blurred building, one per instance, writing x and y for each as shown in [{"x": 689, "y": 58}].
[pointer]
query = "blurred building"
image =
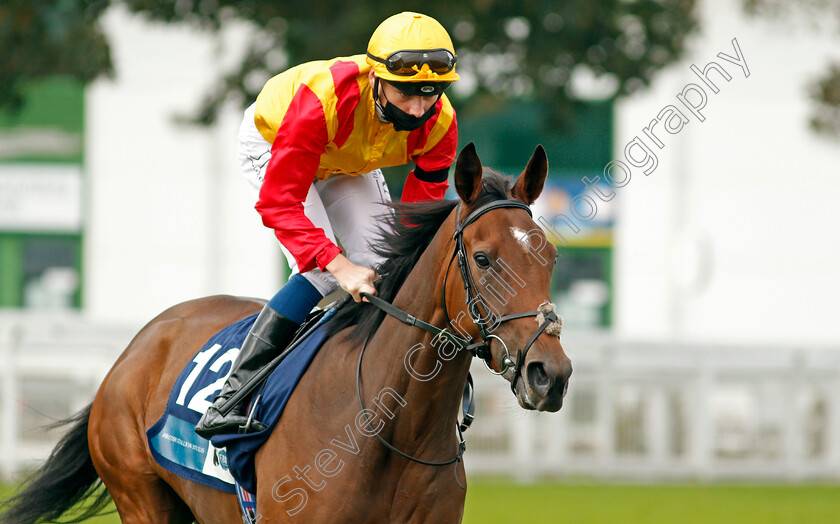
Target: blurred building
[
  {"x": 134, "y": 210},
  {"x": 733, "y": 236}
]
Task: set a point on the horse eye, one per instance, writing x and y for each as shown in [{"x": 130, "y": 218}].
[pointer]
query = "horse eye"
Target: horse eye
[{"x": 482, "y": 260}]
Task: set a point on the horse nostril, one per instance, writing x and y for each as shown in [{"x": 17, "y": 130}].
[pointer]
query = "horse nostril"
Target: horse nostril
[{"x": 537, "y": 376}]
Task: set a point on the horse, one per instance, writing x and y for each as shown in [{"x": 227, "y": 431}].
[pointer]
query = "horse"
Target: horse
[{"x": 376, "y": 375}]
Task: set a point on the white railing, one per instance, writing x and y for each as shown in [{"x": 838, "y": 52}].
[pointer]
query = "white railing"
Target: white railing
[
  {"x": 658, "y": 411},
  {"x": 50, "y": 367},
  {"x": 635, "y": 410}
]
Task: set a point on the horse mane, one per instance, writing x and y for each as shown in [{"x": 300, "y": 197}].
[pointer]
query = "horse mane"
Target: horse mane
[{"x": 403, "y": 237}]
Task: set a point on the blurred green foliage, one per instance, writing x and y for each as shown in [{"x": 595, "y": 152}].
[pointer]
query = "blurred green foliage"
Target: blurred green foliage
[
  {"x": 825, "y": 94},
  {"x": 824, "y": 91},
  {"x": 524, "y": 49},
  {"x": 45, "y": 38},
  {"x": 507, "y": 50}
]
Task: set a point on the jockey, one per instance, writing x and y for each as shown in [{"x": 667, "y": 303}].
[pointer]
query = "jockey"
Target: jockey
[{"x": 312, "y": 146}]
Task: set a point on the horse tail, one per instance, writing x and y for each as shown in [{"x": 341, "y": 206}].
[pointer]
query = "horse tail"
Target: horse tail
[{"x": 66, "y": 479}]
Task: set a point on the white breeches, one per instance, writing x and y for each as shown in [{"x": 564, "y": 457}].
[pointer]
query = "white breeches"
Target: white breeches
[{"x": 348, "y": 208}]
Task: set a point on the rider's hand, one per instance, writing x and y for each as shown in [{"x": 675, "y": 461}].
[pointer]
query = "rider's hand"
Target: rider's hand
[{"x": 352, "y": 278}]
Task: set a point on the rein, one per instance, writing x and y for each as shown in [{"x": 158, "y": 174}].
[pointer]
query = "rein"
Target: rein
[{"x": 479, "y": 349}]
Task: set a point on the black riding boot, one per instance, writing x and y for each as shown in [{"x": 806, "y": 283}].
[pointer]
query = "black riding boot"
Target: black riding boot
[{"x": 270, "y": 334}]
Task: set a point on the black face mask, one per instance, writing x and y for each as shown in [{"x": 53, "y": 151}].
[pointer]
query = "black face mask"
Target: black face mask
[{"x": 402, "y": 121}]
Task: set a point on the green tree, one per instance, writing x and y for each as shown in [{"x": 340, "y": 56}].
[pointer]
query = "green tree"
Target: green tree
[
  {"x": 823, "y": 91},
  {"x": 43, "y": 38},
  {"x": 526, "y": 49}
]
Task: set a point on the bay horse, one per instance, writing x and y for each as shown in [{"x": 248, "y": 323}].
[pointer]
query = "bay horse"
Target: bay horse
[{"x": 320, "y": 464}]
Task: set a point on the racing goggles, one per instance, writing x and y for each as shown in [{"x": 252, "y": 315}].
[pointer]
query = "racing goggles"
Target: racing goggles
[{"x": 409, "y": 62}]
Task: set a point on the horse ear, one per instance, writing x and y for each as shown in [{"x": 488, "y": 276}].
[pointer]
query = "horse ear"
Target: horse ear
[
  {"x": 530, "y": 183},
  {"x": 468, "y": 173}
]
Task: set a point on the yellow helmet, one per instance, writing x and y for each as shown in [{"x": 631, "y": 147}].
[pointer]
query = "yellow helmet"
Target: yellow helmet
[{"x": 411, "y": 47}]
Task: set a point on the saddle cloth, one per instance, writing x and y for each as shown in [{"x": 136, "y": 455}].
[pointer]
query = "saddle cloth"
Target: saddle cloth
[{"x": 172, "y": 439}]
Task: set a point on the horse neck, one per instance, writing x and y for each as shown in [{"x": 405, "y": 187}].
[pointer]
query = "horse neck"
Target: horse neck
[{"x": 431, "y": 403}]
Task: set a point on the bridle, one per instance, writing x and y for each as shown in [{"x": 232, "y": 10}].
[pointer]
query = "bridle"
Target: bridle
[
  {"x": 473, "y": 298},
  {"x": 480, "y": 349}
]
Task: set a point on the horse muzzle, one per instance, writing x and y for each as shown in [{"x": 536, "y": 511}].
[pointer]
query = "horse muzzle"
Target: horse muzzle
[{"x": 543, "y": 382}]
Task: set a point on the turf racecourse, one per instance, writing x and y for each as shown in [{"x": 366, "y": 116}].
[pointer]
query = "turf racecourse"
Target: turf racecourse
[
  {"x": 503, "y": 502},
  {"x": 490, "y": 502}
]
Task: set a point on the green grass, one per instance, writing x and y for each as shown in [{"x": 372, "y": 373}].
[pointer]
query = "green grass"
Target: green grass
[
  {"x": 6, "y": 491},
  {"x": 503, "y": 502},
  {"x": 500, "y": 502}
]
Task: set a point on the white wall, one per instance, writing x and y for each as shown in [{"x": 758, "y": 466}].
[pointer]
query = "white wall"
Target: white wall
[
  {"x": 169, "y": 216},
  {"x": 734, "y": 235}
]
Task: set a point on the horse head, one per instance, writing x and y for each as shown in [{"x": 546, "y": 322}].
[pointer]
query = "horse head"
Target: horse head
[{"x": 506, "y": 264}]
